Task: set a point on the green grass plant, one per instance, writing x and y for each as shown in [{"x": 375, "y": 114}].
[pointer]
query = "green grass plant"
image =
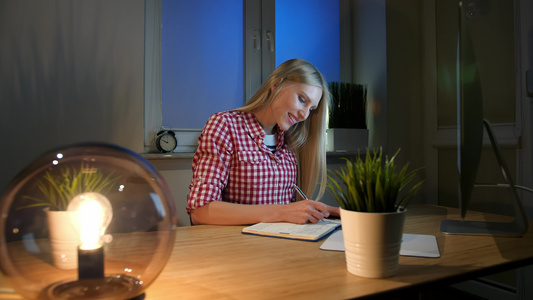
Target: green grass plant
[
  {"x": 57, "y": 190},
  {"x": 373, "y": 184}
]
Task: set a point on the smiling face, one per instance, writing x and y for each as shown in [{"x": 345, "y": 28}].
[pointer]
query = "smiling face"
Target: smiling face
[{"x": 292, "y": 104}]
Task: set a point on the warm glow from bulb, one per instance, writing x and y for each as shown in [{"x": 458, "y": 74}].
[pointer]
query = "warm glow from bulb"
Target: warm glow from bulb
[
  {"x": 93, "y": 215},
  {"x": 90, "y": 216}
]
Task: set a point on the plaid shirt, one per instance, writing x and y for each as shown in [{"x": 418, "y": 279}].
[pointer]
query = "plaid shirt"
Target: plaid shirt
[{"x": 232, "y": 164}]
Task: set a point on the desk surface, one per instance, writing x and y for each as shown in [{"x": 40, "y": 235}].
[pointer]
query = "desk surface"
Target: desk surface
[{"x": 218, "y": 262}]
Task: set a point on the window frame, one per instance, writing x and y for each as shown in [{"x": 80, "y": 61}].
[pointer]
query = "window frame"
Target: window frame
[
  {"x": 259, "y": 16},
  {"x": 152, "y": 73}
]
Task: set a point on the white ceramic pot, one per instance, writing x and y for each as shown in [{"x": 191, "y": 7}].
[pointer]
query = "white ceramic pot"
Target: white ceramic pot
[
  {"x": 372, "y": 242},
  {"x": 64, "y": 239},
  {"x": 346, "y": 139}
]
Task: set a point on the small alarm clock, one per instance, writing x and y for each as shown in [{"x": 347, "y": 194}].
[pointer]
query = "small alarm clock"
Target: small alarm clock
[{"x": 166, "y": 141}]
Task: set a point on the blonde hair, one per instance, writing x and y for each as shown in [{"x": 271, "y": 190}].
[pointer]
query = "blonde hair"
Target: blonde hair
[{"x": 306, "y": 139}]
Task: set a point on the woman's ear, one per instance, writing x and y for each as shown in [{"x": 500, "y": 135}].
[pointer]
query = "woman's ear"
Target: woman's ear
[{"x": 276, "y": 85}]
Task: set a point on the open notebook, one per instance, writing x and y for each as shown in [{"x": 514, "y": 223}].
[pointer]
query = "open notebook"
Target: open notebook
[
  {"x": 307, "y": 232},
  {"x": 412, "y": 244}
]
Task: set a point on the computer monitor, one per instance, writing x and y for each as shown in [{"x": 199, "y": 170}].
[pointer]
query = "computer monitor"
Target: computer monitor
[{"x": 470, "y": 125}]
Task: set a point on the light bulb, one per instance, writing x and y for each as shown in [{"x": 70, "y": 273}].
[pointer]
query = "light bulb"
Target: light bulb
[{"x": 93, "y": 215}]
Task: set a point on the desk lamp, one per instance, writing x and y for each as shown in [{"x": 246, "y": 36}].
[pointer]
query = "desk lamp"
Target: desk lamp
[{"x": 116, "y": 225}]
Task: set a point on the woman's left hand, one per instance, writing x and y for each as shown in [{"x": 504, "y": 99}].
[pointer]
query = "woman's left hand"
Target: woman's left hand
[{"x": 333, "y": 211}]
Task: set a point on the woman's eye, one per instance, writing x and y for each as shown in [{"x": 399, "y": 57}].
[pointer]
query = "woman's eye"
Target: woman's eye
[{"x": 301, "y": 99}]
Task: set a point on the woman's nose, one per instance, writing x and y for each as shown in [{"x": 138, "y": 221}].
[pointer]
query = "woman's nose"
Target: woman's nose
[{"x": 303, "y": 114}]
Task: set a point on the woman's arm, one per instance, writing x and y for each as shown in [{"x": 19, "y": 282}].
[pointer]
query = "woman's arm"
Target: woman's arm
[{"x": 224, "y": 213}]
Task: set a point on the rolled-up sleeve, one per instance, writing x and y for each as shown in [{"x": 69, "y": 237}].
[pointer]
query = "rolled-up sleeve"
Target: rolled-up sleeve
[{"x": 211, "y": 163}]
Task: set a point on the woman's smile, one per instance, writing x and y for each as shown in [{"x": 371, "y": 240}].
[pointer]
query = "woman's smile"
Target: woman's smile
[{"x": 292, "y": 119}]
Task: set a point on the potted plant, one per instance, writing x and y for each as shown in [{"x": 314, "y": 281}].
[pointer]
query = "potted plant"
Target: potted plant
[
  {"x": 373, "y": 197},
  {"x": 59, "y": 188},
  {"x": 54, "y": 191},
  {"x": 347, "y": 128}
]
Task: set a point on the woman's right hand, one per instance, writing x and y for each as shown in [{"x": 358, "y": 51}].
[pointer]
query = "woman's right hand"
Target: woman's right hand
[{"x": 305, "y": 211}]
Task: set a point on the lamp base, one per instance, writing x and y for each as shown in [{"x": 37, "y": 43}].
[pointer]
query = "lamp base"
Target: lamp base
[
  {"x": 140, "y": 297},
  {"x": 115, "y": 287}
]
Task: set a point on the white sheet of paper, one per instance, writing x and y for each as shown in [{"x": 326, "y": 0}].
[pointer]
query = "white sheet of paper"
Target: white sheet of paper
[{"x": 412, "y": 244}]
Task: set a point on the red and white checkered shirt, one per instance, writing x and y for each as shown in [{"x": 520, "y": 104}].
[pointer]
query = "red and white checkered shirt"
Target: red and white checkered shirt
[{"x": 232, "y": 164}]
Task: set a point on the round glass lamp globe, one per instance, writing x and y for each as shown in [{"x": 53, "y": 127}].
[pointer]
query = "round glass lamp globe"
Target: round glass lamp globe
[{"x": 133, "y": 221}]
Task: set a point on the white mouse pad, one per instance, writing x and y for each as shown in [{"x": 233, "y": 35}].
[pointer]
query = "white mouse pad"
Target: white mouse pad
[{"x": 412, "y": 244}]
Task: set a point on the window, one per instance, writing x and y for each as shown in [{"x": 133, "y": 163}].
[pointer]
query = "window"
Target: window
[
  {"x": 202, "y": 60},
  {"x": 196, "y": 63}
]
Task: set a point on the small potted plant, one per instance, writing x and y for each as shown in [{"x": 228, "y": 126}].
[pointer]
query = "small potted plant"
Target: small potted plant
[
  {"x": 54, "y": 191},
  {"x": 59, "y": 188},
  {"x": 373, "y": 197},
  {"x": 347, "y": 128}
]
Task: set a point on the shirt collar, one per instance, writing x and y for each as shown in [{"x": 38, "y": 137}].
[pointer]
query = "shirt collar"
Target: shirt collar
[{"x": 254, "y": 127}]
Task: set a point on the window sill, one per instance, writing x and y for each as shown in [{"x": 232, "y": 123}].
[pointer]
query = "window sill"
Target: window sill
[
  {"x": 342, "y": 153},
  {"x": 166, "y": 156}
]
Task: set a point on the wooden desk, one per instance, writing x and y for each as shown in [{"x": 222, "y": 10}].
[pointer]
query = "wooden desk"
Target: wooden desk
[{"x": 218, "y": 262}]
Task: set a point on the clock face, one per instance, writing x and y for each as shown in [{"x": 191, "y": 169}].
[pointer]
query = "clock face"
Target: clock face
[{"x": 166, "y": 142}]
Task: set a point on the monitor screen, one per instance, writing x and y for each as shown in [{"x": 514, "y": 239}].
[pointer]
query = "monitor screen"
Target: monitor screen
[
  {"x": 469, "y": 110},
  {"x": 470, "y": 129}
]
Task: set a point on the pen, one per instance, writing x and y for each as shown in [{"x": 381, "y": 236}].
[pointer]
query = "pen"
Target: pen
[
  {"x": 303, "y": 195},
  {"x": 300, "y": 192}
]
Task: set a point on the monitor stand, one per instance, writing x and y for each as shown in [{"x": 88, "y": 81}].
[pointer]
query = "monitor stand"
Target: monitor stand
[{"x": 517, "y": 228}]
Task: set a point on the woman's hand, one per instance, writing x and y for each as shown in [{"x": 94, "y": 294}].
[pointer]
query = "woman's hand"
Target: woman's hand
[
  {"x": 308, "y": 211},
  {"x": 334, "y": 211}
]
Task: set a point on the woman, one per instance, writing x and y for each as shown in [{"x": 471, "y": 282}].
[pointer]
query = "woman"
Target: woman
[{"x": 258, "y": 153}]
